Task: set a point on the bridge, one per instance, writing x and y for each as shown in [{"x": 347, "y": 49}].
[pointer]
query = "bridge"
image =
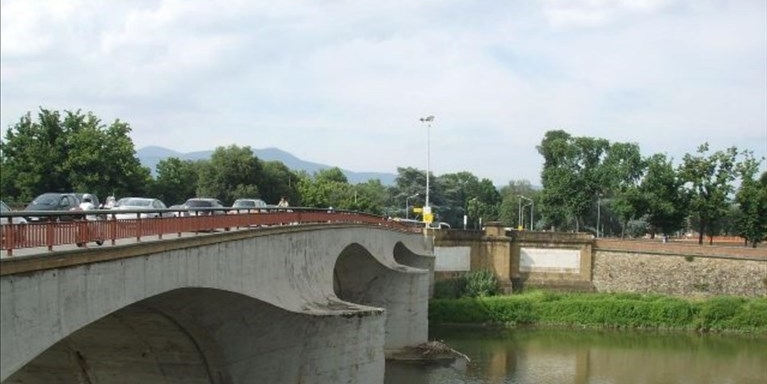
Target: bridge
[{"x": 299, "y": 297}]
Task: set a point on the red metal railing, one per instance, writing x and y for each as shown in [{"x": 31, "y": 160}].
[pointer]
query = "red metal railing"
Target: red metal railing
[{"x": 49, "y": 232}]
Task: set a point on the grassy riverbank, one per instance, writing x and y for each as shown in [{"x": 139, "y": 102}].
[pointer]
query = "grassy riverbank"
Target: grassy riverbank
[{"x": 604, "y": 310}]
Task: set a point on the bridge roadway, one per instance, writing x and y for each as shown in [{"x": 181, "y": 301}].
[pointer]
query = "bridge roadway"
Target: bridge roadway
[{"x": 308, "y": 303}]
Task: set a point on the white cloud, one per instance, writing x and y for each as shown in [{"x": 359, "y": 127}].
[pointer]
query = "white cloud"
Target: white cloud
[{"x": 344, "y": 83}]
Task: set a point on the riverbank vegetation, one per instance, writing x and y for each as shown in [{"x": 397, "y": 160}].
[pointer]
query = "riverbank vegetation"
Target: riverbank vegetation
[{"x": 606, "y": 310}]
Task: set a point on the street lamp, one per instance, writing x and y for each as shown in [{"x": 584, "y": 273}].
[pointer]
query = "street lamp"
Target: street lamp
[
  {"x": 532, "y": 207},
  {"x": 428, "y": 120},
  {"x": 599, "y": 211},
  {"x": 407, "y": 205}
]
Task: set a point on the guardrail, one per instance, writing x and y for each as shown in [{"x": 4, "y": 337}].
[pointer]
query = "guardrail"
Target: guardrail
[{"x": 56, "y": 228}]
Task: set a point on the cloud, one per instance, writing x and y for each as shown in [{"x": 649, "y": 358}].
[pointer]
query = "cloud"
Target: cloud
[{"x": 344, "y": 82}]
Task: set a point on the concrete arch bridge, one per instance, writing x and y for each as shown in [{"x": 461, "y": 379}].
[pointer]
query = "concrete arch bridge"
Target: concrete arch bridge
[{"x": 317, "y": 303}]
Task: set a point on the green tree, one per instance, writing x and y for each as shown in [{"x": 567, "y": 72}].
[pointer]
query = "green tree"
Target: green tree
[
  {"x": 69, "y": 152},
  {"x": 176, "y": 180},
  {"x": 663, "y": 194},
  {"x": 751, "y": 223},
  {"x": 509, "y": 209},
  {"x": 708, "y": 182},
  {"x": 573, "y": 176},
  {"x": 233, "y": 172},
  {"x": 278, "y": 181},
  {"x": 621, "y": 170},
  {"x": 327, "y": 188}
]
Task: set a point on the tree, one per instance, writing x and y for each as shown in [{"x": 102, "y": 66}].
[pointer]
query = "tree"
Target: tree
[
  {"x": 233, "y": 172},
  {"x": 621, "y": 170},
  {"x": 327, "y": 188},
  {"x": 277, "y": 180},
  {"x": 662, "y": 193},
  {"x": 573, "y": 176},
  {"x": 176, "y": 180},
  {"x": 708, "y": 182},
  {"x": 67, "y": 153},
  {"x": 508, "y": 210},
  {"x": 751, "y": 223}
]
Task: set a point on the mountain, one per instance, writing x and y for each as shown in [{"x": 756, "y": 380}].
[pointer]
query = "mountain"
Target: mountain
[{"x": 150, "y": 156}]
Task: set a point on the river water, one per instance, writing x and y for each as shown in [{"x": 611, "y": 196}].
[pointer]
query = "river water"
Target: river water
[{"x": 527, "y": 356}]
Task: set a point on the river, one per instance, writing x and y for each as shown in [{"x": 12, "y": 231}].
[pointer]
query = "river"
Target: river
[{"x": 527, "y": 356}]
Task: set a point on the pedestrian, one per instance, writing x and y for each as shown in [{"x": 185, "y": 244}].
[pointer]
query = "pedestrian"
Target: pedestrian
[{"x": 283, "y": 203}]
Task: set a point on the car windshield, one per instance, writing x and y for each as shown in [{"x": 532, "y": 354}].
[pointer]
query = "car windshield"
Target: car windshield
[
  {"x": 4, "y": 208},
  {"x": 134, "y": 202},
  {"x": 199, "y": 203},
  {"x": 244, "y": 204},
  {"x": 47, "y": 199}
]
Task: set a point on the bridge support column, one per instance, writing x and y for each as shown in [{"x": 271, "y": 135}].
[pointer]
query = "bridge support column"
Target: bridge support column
[{"x": 401, "y": 290}]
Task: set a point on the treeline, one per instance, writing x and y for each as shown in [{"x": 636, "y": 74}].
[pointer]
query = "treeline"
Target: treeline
[
  {"x": 588, "y": 184},
  {"x": 592, "y": 184}
]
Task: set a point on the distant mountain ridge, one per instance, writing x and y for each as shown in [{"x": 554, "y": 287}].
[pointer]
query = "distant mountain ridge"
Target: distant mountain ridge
[{"x": 150, "y": 156}]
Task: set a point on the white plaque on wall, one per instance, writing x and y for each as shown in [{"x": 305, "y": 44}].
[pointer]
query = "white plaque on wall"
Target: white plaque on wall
[
  {"x": 452, "y": 259},
  {"x": 549, "y": 260}
]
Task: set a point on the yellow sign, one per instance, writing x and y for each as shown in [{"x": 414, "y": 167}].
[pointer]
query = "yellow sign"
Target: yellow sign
[
  {"x": 428, "y": 217},
  {"x": 418, "y": 210}
]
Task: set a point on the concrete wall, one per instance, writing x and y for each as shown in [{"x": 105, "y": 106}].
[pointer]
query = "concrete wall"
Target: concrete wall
[{"x": 246, "y": 306}]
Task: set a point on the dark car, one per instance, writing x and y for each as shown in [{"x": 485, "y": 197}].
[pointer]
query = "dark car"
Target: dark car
[
  {"x": 53, "y": 201},
  {"x": 211, "y": 206}
]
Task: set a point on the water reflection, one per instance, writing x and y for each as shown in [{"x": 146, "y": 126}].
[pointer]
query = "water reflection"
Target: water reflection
[{"x": 594, "y": 357}]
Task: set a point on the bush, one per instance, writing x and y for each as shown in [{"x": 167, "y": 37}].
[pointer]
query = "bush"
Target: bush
[
  {"x": 474, "y": 284},
  {"x": 482, "y": 283}
]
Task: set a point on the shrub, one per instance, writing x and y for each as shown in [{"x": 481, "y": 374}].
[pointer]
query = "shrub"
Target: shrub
[{"x": 482, "y": 283}]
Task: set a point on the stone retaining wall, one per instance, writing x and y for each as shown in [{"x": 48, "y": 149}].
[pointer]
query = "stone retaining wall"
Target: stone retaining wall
[{"x": 619, "y": 271}]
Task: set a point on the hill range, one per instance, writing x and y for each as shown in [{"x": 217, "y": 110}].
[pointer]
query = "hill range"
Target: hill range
[{"x": 150, "y": 156}]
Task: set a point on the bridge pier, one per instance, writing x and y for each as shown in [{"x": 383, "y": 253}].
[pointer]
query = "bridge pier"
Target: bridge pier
[{"x": 401, "y": 290}]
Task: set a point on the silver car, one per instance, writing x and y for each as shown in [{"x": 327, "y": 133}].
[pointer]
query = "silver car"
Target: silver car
[
  {"x": 4, "y": 208},
  {"x": 249, "y": 205},
  {"x": 137, "y": 204}
]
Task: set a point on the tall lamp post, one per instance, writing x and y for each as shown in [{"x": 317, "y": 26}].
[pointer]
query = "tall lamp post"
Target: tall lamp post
[
  {"x": 532, "y": 207},
  {"x": 407, "y": 205},
  {"x": 599, "y": 211},
  {"x": 428, "y": 120}
]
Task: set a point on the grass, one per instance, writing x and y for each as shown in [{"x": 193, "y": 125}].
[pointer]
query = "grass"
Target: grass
[{"x": 606, "y": 310}]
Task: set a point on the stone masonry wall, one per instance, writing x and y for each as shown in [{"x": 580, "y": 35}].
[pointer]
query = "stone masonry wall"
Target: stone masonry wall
[{"x": 615, "y": 271}]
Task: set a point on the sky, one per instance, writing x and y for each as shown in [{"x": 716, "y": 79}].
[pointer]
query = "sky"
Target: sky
[{"x": 346, "y": 83}]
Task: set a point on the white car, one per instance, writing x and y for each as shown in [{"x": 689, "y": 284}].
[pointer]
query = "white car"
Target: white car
[
  {"x": 15, "y": 220},
  {"x": 137, "y": 204},
  {"x": 20, "y": 234}
]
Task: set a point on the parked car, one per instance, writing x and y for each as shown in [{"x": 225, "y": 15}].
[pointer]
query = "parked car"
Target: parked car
[
  {"x": 94, "y": 199},
  {"x": 210, "y": 205},
  {"x": 53, "y": 201},
  {"x": 138, "y": 203},
  {"x": 19, "y": 235},
  {"x": 249, "y": 205},
  {"x": 178, "y": 208}
]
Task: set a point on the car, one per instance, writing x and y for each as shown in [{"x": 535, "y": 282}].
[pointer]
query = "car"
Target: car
[
  {"x": 138, "y": 203},
  {"x": 19, "y": 235},
  {"x": 209, "y": 204},
  {"x": 53, "y": 201},
  {"x": 94, "y": 199},
  {"x": 249, "y": 205}
]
